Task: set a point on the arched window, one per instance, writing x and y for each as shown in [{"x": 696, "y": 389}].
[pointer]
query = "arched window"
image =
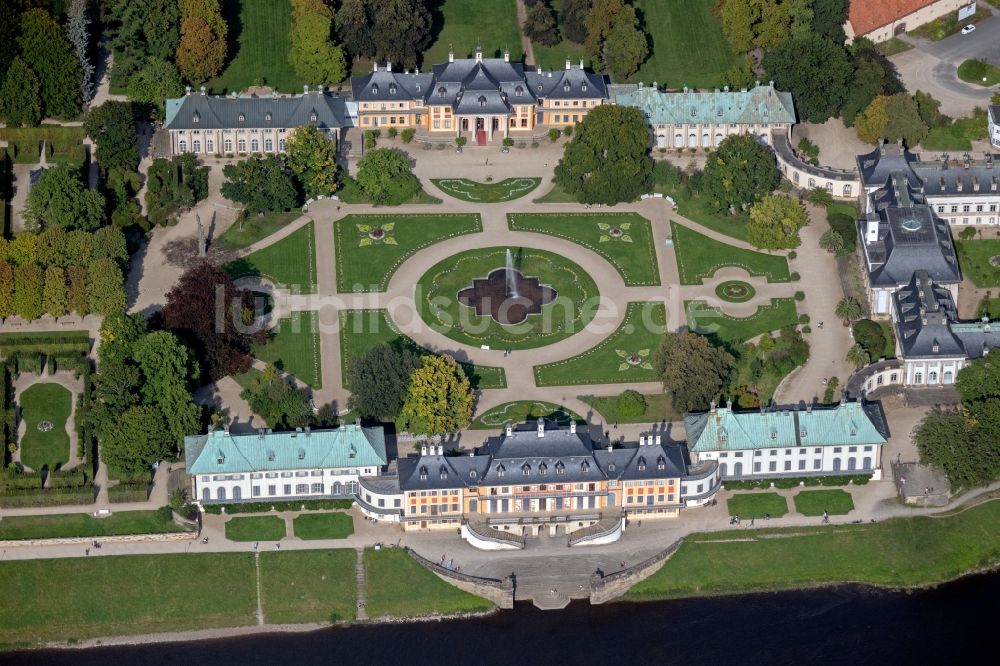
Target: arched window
[
  {"x": 723, "y": 469},
  {"x": 220, "y": 494},
  {"x": 242, "y": 118},
  {"x": 932, "y": 377},
  {"x": 392, "y": 88},
  {"x": 196, "y": 146},
  {"x": 852, "y": 464},
  {"x": 242, "y": 145},
  {"x": 866, "y": 463},
  {"x": 763, "y": 139},
  {"x": 442, "y": 91},
  {"x": 718, "y": 138},
  {"x": 706, "y": 142},
  {"x": 918, "y": 378},
  {"x": 836, "y": 464},
  {"x": 795, "y": 177},
  {"x": 692, "y": 140},
  {"x": 812, "y": 183},
  {"x": 206, "y": 495},
  {"x": 267, "y": 116},
  {"x": 352, "y": 487},
  {"x": 254, "y": 145},
  {"x": 738, "y": 470},
  {"x": 948, "y": 377},
  {"x": 183, "y": 146},
  {"x": 518, "y": 91},
  {"x": 678, "y": 141},
  {"x": 229, "y": 145},
  {"x": 829, "y": 188},
  {"x": 482, "y": 101},
  {"x": 374, "y": 89},
  {"x": 210, "y": 146},
  {"x": 237, "y": 493},
  {"x": 847, "y": 190},
  {"x": 268, "y": 145}
]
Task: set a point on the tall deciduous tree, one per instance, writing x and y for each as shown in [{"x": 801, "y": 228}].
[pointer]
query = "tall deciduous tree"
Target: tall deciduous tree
[
  {"x": 739, "y": 172},
  {"x": 947, "y": 440},
  {"x": 313, "y": 54},
  {"x": 540, "y": 25},
  {"x": 135, "y": 440},
  {"x": 60, "y": 198},
  {"x": 76, "y": 297},
  {"x": 168, "y": 368},
  {"x": 313, "y": 158},
  {"x": 46, "y": 50},
  {"x": 28, "y": 291},
  {"x": 353, "y": 29},
  {"x": 54, "y": 291},
  {"x": 105, "y": 287},
  {"x": 600, "y": 20},
  {"x": 207, "y": 311},
  {"x": 815, "y": 70},
  {"x": 20, "y": 96},
  {"x": 626, "y": 46},
  {"x": 137, "y": 32},
  {"x": 401, "y": 30},
  {"x": 384, "y": 176},
  {"x": 379, "y": 379},
  {"x": 280, "y": 404},
  {"x": 78, "y": 32},
  {"x": 260, "y": 184},
  {"x": 607, "y": 161},
  {"x": 573, "y": 20},
  {"x": 693, "y": 370},
  {"x": 439, "y": 398},
  {"x": 828, "y": 19},
  {"x": 155, "y": 82},
  {"x": 201, "y": 52},
  {"x": 6, "y": 289},
  {"x": 112, "y": 127},
  {"x": 775, "y": 222}
]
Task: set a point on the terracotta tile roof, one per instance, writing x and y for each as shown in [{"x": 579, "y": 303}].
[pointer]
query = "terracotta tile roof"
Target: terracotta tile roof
[{"x": 867, "y": 15}]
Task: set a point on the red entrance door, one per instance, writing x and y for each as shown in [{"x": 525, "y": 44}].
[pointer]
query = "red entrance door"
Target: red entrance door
[{"x": 481, "y": 137}]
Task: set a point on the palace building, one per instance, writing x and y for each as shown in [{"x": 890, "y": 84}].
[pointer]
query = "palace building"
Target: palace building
[
  {"x": 482, "y": 98},
  {"x": 300, "y": 465},
  {"x": 234, "y": 125},
  {"x": 845, "y": 439},
  {"x": 536, "y": 478}
]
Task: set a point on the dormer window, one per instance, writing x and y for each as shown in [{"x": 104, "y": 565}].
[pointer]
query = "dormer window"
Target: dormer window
[
  {"x": 267, "y": 117},
  {"x": 518, "y": 91},
  {"x": 611, "y": 467},
  {"x": 270, "y": 456},
  {"x": 472, "y": 473},
  {"x": 221, "y": 458},
  {"x": 196, "y": 117},
  {"x": 313, "y": 116},
  {"x": 242, "y": 118},
  {"x": 525, "y": 469},
  {"x": 443, "y": 472},
  {"x": 423, "y": 473},
  {"x": 642, "y": 464},
  {"x": 542, "y": 469},
  {"x": 302, "y": 454},
  {"x": 560, "y": 468},
  {"x": 583, "y": 87},
  {"x": 442, "y": 91},
  {"x": 418, "y": 87},
  {"x": 392, "y": 88},
  {"x": 774, "y": 434},
  {"x": 660, "y": 463},
  {"x": 501, "y": 470},
  {"x": 566, "y": 87},
  {"x": 585, "y": 466},
  {"x": 374, "y": 89},
  {"x": 482, "y": 101},
  {"x": 802, "y": 433}
]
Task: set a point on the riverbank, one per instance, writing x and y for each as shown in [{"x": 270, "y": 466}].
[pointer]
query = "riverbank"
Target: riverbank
[{"x": 900, "y": 553}]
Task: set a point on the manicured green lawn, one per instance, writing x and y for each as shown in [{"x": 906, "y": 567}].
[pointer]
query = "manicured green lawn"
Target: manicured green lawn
[
  {"x": 245, "y": 379},
  {"x": 897, "y": 552},
  {"x": 974, "y": 258},
  {"x": 574, "y": 306},
  {"x": 979, "y": 72},
  {"x": 323, "y": 526},
  {"x": 815, "y": 502},
  {"x": 362, "y": 329},
  {"x": 626, "y": 356},
  {"x": 890, "y": 339},
  {"x": 735, "y": 291},
  {"x": 755, "y": 505},
  {"x": 696, "y": 209},
  {"x": 699, "y": 257},
  {"x": 258, "y": 47},
  {"x": 469, "y": 22},
  {"x": 713, "y": 322},
  {"x": 255, "y": 528},
  {"x": 85, "y": 597},
  {"x": 255, "y": 228},
  {"x": 397, "y": 586},
  {"x": 507, "y": 189},
  {"x": 521, "y": 411},
  {"x": 555, "y": 195},
  {"x": 364, "y": 264},
  {"x": 66, "y": 525},
  {"x": 308, "y": 585},
  {"x": 294, "y": 347},
  {"x": 45, "y": 402},
  {"x": 658, "y": 408},
  {"x": 688, "y": 47},
  {"x": 291, "y": 262},
  {"x": 624, "y": 239},
  {"x": 989, "y": 307}
]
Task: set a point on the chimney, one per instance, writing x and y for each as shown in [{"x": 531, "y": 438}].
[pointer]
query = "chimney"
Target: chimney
[
  {"x": 729, "y": 404},
  {"x": 423, "y": 449},
  {"x": 572, "y": 427},
  {"x": 509, "y": 430},
  {"x": 872, "y": 231},
  {"x": 581, "y": 64},
  {"x": 440, "y": 449},
  {"x": 202, "y": 91},
  {"x": 506, "y": 55},
  {"x": 305, "y": 88},
  {"x": 388, "y": 66},
  {"x": 610, "y": 447},
  {"x": 357, "y": 422},
  {"x": 187, "y": 90},
  {"x": 642, "y": 440},
  {"x": 375, "y": 66},
  {"x": 479, "y": 53},
  {"x": 569, "y": 65},
  {"x": 541, "y": 428},
  {"x": 657, "y": 440},
  {"x": 308, "y": 431},
  {"x": 451, "y": 55},
  {"x": 711, "y": 407}
]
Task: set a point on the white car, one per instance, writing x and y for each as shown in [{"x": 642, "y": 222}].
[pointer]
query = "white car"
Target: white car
[{"x": 967, "y": 29}]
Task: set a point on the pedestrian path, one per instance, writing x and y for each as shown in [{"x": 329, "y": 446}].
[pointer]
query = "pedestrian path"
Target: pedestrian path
[{"x": 359, "y": 577}]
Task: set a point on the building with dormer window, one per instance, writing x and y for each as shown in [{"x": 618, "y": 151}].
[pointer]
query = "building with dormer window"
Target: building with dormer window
[{"x": 218, "y": 125}]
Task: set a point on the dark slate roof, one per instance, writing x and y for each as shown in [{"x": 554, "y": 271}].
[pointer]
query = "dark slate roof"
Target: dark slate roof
[
  {"x": 482, "y": 101},
  {"x": 433, "y": 472},
  {"x": 927, "y": 324},
  {"x": 571, "y": 83},
  {"x": 286, "y": 111},
  {"x": 944, "y": 176},
  {"x": 384, "y": 85},
  {"x": 877, "y": 166},
  {"x": 910, "y": 237},
  {"x": 531, "y": 456},
  {"x": 648, "y": 461}
]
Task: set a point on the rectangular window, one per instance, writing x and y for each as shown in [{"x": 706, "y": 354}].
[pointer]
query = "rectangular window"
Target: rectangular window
[
  {"x": 788, "y": 465},
  {"x": 868, "y": 448},
  {"x": 979, "y": 207},
  {"x": 954, "y": 208},
  {"x": 301, "y": 488},
  {"x": 940, "y": 209},
  {"x": 756, "y": 467},
  {"x": 852, "y": 449},
  {"x": 317, "y": 487},
  {"x": 242, "y": 145},
  {"x": 255, "y": 491},
  {"x": 447, "y": 124},
  {"x": 268, "y": 145},
  {"x": 395, "y": 503},
  {"x": 966, "y": 208},
  {"x": 254, "y": 145},
  {"x": 802, "y": 465},
  {"x": 288, "y": 488},
  {"x": 837, "y": 449},
  {"x": 817, "y": 464},
  {"x": 772, "y": 466}
]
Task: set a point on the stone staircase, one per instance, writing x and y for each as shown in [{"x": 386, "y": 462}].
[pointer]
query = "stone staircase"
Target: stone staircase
[{"x": 359, "y": 576}]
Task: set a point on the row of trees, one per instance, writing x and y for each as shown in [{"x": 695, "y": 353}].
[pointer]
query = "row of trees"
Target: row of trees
[
  {"x": 395, "y": 30},
  {"x": 427, "y": 395}
]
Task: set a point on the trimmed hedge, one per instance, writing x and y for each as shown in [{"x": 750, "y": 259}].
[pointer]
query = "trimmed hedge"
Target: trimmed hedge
[
  {"x": 264, "y": 507},
  {"x": 129, "y": 492},
  {"x": 62, "y": 144},
  {"x": 60, "y": 343},
  {"x": 794, "y": 482}
]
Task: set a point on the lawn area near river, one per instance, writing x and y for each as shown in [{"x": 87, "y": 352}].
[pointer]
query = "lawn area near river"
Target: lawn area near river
[
  {"x": 65, "y": 525},
  {"x": 308, "y": 585}
]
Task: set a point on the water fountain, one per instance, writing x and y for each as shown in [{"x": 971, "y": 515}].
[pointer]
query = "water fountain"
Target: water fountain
[
  {"x": 506, "y": 294},
  {"x": 511, "y": 278}
]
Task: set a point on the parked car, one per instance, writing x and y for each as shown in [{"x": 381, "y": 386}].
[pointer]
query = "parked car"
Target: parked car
[{"x": 967, "y": 29}]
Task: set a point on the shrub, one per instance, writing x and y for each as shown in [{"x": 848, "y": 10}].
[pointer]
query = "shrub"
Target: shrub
[
  {"x": 803, "y": 319},
  {"x": 793, "y": 255},
  {"x": 554, "y": 134},
  {"x": 264, "y": 507},
  {"x": 460, "y": 141},
  {"x": 508, "y": 142},
  {"x": 631, "y": 403},
  {"x": 807, "y": 330},
  {"x": 831, "y": 386},
  {"x": 869, "y": 335},
  {"x": 568, "y": 130},
  {"x": 392, "y": 132},
  {"x": 800, "y": 295},
  {"x": 794, "y": 277},
  {"x": 408, "y": 134},
  {"x": 534, "y": 144}
]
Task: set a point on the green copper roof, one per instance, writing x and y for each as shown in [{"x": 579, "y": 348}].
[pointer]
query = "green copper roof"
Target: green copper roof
[
  {"x": 220, "y": 452},
  {"x": 760, "y": 105},
  {"x": 846, "y": 424}
]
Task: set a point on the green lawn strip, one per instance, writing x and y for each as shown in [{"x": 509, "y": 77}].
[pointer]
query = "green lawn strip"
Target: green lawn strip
[
  {"x": 261, "y": 51},
  {"x": 308, "y": 585},
  {"x": 67, "y": 525},
  {"x": 45, "y": 402},
  {"x": 639, "y": 333},
  {"x": 255, "y": 229},
  {"x": 979, "y": 72},
  {"x": 989, "y": 307},
  {"x": 323, "y": 526},
  {"x": 507, "y": 189},
  {"x": 367, "y": 265},
  {"x": 352, "y": 194},
  {"x": 688, "y": 47},
  {"x": 255, "y": 528},
  {"x": 290, "y": 262},
  {"x": 696, "y": 209},
  {"x": 86, "y": 597},
  {"x": 632, "y": 254},
  {"x": 63, "y": 144},
  {"x": 521, "y": 411},
  {"x": 397, "y": 586},
  {"x": 467, "y": 23},
  {"x": 815, "y": 502},
  {"x": 658, "y": 408},
  {"x": 572, "y": 309},
  {"x": 712, "y": 321},
  {"x": 699, "y": 257},
  {"x": 756, "y": 505},
  {"x": 293, "y": 345},
  {"x": 974, "y": 258},
  {"x": 949, "y": 137},
  {"x": 555, "y": 195},
  {"x": 890, "y": 339},
  {"x": 896, "y": 552},
  {"x": 362, "y": 329}
]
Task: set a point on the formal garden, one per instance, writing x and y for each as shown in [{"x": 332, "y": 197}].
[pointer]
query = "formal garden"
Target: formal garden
[
  {"x": 757, "y": 505},
  {"x": 699, "y": 257},
  {"x": 818, "y": 502},
  {"x": 312, "y": 526},
  {"x": 980, "y": 261},
  {"x": 624, "y": 239},
  {"x": 45, "y": 410},
  {"x": 255, "y": 528},
  {"x": 290, "y": 262},
  {"x": 293, "y": 346},
  {"x": 735, "y": 291},
  {"x": 708, "y": 320},
  {"x": 521, "y": 411},
  {"x": 471, "y": 298},
  {"x": 371, "y": 247},
  {"x": 507, "y": 189}
]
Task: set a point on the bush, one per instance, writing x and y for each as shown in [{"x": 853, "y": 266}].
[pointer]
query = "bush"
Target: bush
[
  {"x": 803, "y": 319},
  {"x": 508, "y": 142},
  {"x": 800, "y": 295},
  {"x": 806, "y": 330},
  {"x": 534, "y": 144},
  {"x": 793, "y": 255},
  {"x": 869, "y": 335},
  {"x": 794, "y": 277},
  {"x": 264, "y": 507},
  {"x": 631, "y": 403},
  {"x": 665, "y": 173},
  {"x": 793, "y": 482},
  {"x": 460, "y": 141},
  {"x": 60, "y": 343},
  {"x": 554, "y": 134},
  {"x": 831, "y": 385},
  {"x": 568, "y": 130},
  {"x": 408, "y": 134},
  {"x": 392, "y": 132}
]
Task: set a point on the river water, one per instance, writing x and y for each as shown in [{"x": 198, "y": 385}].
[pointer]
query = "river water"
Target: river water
[{"x": 845, "y": 625}]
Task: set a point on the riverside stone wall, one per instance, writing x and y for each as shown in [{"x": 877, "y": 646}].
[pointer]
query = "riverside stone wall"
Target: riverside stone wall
[
  {"x": 500, "y": 592},
  {"x": 84, "y": 541},
  {"x": 606, "y": 588}
]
